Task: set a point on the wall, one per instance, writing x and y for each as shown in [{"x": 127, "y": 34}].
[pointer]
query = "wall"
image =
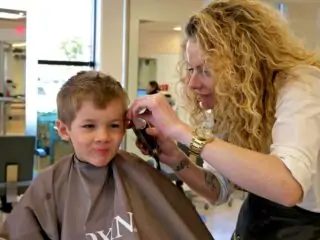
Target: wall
[
  {"x": 158, "y": 42},
  {"x": 147, "y": 72},
  {"x": 165, "y": 47},
  {"x": 176, "y": 11},
  {"x": 109, "y": 44},
  {"x": 304, "y": 19},
  {"x": 167, "y": 72}
]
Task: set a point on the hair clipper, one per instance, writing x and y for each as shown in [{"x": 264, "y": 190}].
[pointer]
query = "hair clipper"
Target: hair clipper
[{"x": 139, "y": 127}]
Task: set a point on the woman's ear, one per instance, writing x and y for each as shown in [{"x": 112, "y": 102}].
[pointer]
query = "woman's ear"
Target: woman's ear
[{"x": 62, "y": 130}]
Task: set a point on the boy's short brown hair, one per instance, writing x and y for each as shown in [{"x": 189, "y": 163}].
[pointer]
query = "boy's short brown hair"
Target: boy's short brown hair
[{"x": 87, "y": 85}]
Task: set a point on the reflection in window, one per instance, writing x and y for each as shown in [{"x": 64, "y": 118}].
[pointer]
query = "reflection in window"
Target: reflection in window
[
  {"x": 51, "y": 78},
  {"x": 66, "y": 30}
]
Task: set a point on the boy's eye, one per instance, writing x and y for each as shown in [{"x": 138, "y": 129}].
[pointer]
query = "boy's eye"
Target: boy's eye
[
  {"x": 190, "y": 70},
  {"x": 115, "y": 125},
  {"x": 88, "y": 126}
]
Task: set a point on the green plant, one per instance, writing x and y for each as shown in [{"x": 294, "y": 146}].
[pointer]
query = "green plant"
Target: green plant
[{"x": 72, "y": 49}]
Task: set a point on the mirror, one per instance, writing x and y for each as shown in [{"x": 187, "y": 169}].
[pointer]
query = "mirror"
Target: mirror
[
  {"x": 147, "y": 72},
  {"x": 12, "y": 73},
  {"x": 159, "y": 54}
]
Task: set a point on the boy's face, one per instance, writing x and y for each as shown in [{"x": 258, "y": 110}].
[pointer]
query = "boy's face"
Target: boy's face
[{"x": 96, "y": 134}]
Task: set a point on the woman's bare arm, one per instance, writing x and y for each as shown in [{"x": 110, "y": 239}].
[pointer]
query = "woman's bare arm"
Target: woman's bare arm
[{"x": 205, "y": 182}]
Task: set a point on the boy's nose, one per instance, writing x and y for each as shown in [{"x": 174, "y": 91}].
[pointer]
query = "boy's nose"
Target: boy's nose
[{"x": 103, "y": 135}]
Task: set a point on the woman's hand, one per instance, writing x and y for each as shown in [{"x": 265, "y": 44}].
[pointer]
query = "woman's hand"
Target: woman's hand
[
  {"x": 160, "y": 114},
  {"x": 168, "y": 151}
]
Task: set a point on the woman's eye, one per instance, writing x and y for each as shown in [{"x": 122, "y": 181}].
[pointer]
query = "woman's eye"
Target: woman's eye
[
  {"x": 190, "y": 70},
  {"x": 207, "y": 73}
]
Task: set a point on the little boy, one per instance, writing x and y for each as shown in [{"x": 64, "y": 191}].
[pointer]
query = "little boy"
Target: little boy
[
  {"x": 98, "y": 192},
  {"x": 91, "y": 115}
]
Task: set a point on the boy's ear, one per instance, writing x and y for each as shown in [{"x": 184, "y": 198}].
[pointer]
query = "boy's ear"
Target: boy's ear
[{"x": 62, "y": 129}]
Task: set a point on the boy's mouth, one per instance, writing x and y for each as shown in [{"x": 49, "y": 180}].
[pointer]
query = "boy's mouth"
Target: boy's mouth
[{"x": 102, "y": 151}]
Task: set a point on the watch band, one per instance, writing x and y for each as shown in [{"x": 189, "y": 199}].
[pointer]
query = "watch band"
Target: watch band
[{"x": 196, "y": 146}]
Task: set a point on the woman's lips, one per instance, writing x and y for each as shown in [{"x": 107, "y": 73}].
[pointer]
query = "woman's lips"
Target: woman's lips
[{"x": 204, "y": 94}]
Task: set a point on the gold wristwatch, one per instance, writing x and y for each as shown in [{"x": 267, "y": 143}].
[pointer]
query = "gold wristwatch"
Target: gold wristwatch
[{"x": 200, "y": 138}]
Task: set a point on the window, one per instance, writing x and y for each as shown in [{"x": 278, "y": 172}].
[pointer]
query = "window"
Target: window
[
  {"x": 50, "y": 80},
  {"x": 66, "y": 44},
  {"x": 65, "y": 36},
  {"x": 62, "y": 42},
  {"x": 66, "y": 30}
]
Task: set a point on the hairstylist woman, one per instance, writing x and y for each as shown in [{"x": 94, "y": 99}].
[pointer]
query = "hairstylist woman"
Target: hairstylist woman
[{"x": 264, "y": 89}]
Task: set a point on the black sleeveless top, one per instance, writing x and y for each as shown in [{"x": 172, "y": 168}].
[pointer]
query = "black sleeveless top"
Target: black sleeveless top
[{"x": 261, "y": 219}]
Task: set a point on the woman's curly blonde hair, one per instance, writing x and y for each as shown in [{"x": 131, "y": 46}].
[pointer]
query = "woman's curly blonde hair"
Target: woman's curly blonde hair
[{"x": 248, "y": 46}]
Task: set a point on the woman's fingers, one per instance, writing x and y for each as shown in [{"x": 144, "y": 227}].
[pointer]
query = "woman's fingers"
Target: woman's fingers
[
  {"x": 138, "y": 105},
  {"x": 152, "y": 132},
  {"x": 142, "y": 148},
  {"x": 160, "y": 114},
  {"x": 150, "y": 102}
]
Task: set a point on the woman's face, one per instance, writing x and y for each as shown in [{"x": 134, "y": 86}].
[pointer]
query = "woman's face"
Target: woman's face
[
  {"x": 200, "y": 79},
  {"x": 150, "y": 88}
]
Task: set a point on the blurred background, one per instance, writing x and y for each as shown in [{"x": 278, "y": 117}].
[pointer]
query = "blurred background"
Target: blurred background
[{"x": 137, "y": 41}]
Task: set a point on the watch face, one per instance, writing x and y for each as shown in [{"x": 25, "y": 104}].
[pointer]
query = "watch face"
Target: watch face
[
  {"x": 201, "y": 138},
  {"x": 203, "y": 134}
]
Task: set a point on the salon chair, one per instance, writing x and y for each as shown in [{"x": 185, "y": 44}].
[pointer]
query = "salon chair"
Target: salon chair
[{"x": 18, "y": 154}]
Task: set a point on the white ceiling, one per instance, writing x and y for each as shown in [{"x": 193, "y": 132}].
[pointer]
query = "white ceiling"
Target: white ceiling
[{"x": 20, "y": 5}]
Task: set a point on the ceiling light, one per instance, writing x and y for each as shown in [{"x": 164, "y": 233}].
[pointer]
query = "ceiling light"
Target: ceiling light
[
  {"x": 12, "y": 16},
  {"x": 178, "y": 28}
]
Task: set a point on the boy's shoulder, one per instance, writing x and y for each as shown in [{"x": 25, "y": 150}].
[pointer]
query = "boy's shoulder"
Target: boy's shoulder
[
  {"x": 62, "y": 163},
  {"x": 129, "y": 156},
  {"x": 132, "y": 160},
  {"x": 54, "y": 174}
]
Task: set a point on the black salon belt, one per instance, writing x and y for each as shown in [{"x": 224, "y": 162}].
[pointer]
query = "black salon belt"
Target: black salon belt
[{"x": 261, "y": 219}]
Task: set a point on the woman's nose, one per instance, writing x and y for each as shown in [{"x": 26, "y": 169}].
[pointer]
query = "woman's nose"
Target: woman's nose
[{"x": 194, "y": 81}]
